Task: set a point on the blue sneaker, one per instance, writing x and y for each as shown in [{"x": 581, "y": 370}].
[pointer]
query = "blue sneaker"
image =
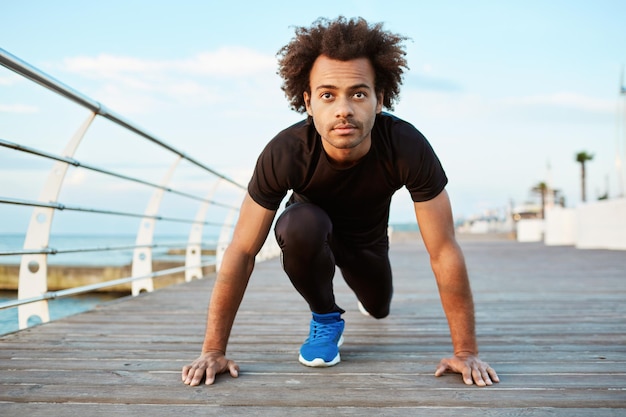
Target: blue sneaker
[{"x": 321, "y": 348}]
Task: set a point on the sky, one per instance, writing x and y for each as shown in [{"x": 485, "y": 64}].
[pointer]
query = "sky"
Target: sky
[{"x": 507, "y": 92}]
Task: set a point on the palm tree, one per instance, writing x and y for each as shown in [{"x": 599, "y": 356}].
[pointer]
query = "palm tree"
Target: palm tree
[{"x": 583, "y": 157}]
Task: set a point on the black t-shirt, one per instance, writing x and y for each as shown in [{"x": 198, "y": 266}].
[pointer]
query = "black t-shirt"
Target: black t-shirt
[{"x": 357, "y": 199}]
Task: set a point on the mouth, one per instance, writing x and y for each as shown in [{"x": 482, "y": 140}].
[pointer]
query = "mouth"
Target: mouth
[{"x": 344, "y": 128}]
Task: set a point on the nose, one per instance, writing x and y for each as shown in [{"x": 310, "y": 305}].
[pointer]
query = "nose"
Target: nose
[{"x": 343, "y": 108}]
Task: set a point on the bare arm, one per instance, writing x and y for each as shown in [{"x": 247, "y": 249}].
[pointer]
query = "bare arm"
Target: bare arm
[
  {"x": 249, "y": 235},
  {"x": 448, "y": 264}
]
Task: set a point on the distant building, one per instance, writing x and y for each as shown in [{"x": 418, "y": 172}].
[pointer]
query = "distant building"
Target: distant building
[{"x": 526, "y": 211}]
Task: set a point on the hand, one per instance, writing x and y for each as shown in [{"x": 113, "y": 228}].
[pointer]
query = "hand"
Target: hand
[
  {"x": 208, "y": 365},
  {"x": 473, "y": 370}
]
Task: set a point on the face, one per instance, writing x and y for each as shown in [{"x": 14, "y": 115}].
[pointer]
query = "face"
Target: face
[{"x": 343, "y": 104}]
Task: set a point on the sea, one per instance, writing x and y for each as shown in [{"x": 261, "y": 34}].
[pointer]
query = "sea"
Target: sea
[
  {"x": 15, "y": 242},
  {"x": 64, "y": 307}
]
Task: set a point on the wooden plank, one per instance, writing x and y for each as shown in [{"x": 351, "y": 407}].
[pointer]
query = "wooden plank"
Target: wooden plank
[
  {"x": 337, "y": 392},
  {"x": 346, "y": 379},
  {"x": 551, "y": 320},
  {"x": 164, "y": 410}
]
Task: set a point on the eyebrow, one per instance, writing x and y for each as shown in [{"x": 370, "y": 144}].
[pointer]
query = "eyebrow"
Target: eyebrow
[{"x": 333, "y": 87}]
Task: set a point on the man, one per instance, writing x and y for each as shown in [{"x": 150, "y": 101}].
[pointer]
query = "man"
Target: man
[{"x": 342, "y": 164}]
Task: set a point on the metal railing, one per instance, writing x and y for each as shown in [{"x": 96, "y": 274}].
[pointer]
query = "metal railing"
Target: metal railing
[{"x": 33, "y": 291}]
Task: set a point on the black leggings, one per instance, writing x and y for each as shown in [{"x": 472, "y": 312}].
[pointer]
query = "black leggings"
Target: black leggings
[{"x": 310, "y": 253}]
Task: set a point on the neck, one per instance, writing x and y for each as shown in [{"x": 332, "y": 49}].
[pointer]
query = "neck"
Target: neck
[{"x": 346, "y": 158}]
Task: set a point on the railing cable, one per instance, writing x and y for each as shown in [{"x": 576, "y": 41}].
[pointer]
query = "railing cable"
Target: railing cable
[
  {"x": 76, "y": 163},
  {"x": 59, "y": 206},
  {"x": 51, "y": 295},
  {"x": 54, "y": 251},
  {"x": 15, "y": 64}
]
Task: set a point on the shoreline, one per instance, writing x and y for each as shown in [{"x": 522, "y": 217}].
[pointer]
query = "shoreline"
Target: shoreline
[
  {"x": 61, "y": 277},
  {"x": 69, "y": 276}
]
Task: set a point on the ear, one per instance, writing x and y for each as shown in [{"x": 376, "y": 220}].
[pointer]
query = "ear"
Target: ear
[{"x": 307, "y": 103}]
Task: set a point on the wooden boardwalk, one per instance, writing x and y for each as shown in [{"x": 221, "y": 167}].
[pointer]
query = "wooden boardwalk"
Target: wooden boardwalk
[{"x": 551, "y": 320}]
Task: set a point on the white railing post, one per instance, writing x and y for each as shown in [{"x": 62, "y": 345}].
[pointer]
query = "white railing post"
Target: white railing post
[
  {"x": 193, "y": 257},
  {"x": 142, "y": 256},
  {"x": 33, "y": 276},
  {"x": 269, "y": 250},
  {"x": 224, "y": 239}
]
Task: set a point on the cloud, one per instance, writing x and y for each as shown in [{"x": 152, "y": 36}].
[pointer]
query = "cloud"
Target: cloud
[
  {"x": 442, "y": 105},
  {"x": 135, "y": 85},
  {"x": 227, "y": 62},
  {"x": 10, "y": 79},
  {"x": 18, "y": 108},
  {"x": 76, "y": 177},
  {"x": 553, "y": 108}
]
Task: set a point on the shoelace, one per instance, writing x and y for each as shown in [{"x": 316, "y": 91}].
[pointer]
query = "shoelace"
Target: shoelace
[{"x": 324, "y": 330}]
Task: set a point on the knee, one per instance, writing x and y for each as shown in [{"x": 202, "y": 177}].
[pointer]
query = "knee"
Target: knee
[
  {"x": 380, "y": 313},
  {"x": 377, "y": 312},
  {"x": 303, "y": 224}
]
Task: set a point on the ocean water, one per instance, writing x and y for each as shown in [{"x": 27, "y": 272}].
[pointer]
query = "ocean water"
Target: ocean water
[
  {"x": 72, "y": 305},
  {"x": 59, "y": 308},
  {"x": 15, "y": 242}
]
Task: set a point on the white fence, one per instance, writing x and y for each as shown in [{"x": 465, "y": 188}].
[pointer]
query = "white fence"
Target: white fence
[{"x": 33, "y": 293}]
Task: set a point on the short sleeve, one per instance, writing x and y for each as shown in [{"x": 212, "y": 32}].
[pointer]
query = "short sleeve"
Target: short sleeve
[
  {"x": 267, "y": 186},
  {"x": 419, "y": 168}
]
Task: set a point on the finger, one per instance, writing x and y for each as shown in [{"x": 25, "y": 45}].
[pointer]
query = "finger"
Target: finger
[
  {"x": 210, "y": 377},
  {"x": 487, "y": 379},
  {"x": 233, "y": 368},
  {"x": 478, "y": 378},
  {"x": 188, "y": 375},
  {"x": 492, "y": 373},
  {"x": 467, "y": 376},
  {"x": 442, "y": 367},
  {"x": 196, "y": 377},
  {"x": 440, "y": 370}
]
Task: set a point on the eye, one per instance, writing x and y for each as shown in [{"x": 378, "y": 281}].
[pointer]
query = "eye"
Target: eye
[
  {"x": 360, "y": 95},
  {"x": 326, "y": 96}
]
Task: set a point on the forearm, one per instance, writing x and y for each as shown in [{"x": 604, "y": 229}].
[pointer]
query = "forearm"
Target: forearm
[
  {"x": 228, "y": 292},
  {"x": 456, "y": 299}
]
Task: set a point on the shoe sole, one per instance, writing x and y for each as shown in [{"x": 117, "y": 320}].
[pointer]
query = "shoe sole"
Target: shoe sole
[
  {"x": 321, "y": 363},
  {"x": 363, "y": 310}
]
